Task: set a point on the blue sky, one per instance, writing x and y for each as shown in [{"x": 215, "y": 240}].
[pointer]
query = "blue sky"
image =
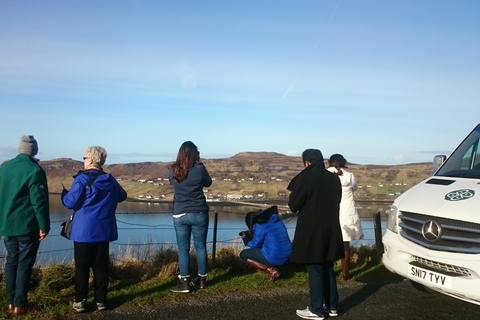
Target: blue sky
[{"x": 381, "y": 82}]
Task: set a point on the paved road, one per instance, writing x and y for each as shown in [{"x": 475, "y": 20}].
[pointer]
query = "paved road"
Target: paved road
[{"x": 392, "y": 298}]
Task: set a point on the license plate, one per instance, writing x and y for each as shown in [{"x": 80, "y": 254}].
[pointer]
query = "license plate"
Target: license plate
[{"x": 431, "y": 277}]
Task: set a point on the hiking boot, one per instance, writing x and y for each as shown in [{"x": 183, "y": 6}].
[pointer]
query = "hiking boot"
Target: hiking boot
[
  {"x": 307, "y": 314},
  {"x": 182, "y": 286},
  {"x": 201, "y": 282},
  {"x": 79, "y": 306}
]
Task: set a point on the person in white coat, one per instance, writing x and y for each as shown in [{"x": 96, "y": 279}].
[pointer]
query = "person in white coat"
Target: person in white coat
[{"x": 349, "y": 218}]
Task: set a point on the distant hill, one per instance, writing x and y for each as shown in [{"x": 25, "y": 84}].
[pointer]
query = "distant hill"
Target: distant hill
[{"x": 250, "y": 174}]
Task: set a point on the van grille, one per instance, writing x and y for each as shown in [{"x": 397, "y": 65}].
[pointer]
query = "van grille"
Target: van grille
[
  {"x": 455, "y": 236},
  {"x": 447, "y": 269}
]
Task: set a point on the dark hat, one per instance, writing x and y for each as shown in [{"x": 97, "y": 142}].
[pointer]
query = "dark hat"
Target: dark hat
[{"x": 28, "y": 145}]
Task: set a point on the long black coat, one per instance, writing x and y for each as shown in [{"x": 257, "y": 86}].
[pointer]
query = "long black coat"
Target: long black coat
[{"x": 315, "y": 195}]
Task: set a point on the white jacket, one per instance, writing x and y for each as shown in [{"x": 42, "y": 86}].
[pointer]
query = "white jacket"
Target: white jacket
[{"x": 349, "y": 218}]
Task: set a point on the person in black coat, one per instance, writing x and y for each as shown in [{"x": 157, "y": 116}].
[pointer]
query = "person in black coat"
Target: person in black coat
[{"x": 315, "y": 196}]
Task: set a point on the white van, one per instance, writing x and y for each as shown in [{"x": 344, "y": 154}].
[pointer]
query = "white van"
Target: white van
[{"x": 433, "y": 229}]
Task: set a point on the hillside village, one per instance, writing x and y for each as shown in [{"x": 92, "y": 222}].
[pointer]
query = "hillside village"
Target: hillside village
[{"x": 246, "y": 176}]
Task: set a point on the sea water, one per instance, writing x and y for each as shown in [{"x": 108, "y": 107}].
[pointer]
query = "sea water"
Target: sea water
[{"x": 146, "y": 227}]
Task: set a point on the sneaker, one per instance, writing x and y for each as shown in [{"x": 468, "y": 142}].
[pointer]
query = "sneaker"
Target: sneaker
[
  {"x": 101, "y": 306},
  {"x": 79, "y": 306},
  {"x": 201, "y": 282},
  {"x": 331, "y": 313},
  {"x": 307, "y": 314},
  {"x": 182, "y": 286}
]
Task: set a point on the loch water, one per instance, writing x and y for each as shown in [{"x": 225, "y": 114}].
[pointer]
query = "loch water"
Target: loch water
[{"x": 146, "y": 227}]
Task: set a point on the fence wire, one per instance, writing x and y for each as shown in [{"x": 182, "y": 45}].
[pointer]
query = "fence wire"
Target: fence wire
[{"x": 235, "y": 242}]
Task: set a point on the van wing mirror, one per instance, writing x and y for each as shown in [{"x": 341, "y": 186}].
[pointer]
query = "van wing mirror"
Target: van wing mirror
[{"x": 437, "y": 162}]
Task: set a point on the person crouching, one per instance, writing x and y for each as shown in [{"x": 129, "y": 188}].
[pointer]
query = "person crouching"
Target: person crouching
[{"x": 268, "y": 243}]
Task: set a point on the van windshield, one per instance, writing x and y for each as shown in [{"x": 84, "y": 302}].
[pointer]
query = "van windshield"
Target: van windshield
[{"x": 465, "y": 160}]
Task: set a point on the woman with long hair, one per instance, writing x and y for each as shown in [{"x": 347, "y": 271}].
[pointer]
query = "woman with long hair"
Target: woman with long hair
[
  {"x": 349, "y": 218},
  {"x": 188, "y": 177}
]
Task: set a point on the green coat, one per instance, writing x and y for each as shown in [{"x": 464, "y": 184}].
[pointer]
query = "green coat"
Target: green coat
[{"x": 24, "y": 207}]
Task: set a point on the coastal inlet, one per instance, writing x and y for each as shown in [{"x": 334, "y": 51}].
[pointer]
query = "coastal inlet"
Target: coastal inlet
[{"x": 146, "y": 227}]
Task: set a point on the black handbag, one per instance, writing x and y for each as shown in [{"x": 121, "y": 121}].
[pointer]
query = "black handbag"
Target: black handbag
[{"x": 67, "y": 225}]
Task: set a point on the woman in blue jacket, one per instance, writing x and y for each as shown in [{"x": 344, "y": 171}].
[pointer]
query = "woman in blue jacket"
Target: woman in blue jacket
[
  {"x": 94, "y": 196},
  {"x": 268, "y": 242}
]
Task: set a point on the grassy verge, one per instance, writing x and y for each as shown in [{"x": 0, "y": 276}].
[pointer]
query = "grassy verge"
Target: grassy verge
[{"x": 135, "y": 282}]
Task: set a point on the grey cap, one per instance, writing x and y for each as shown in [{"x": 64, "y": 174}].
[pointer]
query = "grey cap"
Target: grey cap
[{"x": 28, "y": 145}]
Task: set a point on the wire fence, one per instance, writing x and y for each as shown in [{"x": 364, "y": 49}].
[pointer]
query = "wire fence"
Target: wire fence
[{"x": 373, "y": 228}]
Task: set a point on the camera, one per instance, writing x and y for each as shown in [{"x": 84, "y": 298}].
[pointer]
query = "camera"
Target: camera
[{"x": 248, "y": 234}]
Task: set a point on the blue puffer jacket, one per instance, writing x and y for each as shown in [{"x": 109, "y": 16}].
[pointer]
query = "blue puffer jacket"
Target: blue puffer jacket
[
  {"x": 94, "y": 220},
  {"x": 273, "y": 238}
]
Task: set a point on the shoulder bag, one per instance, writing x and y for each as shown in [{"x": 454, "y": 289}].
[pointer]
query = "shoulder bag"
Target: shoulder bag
[{"x": 67, "y": 225}]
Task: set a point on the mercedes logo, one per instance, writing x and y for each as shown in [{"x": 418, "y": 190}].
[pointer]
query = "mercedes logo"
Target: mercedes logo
[{"x": 432, "y": 231}]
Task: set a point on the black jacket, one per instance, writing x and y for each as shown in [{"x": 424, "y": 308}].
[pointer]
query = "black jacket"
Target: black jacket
[{"x": 315, "y": 195}]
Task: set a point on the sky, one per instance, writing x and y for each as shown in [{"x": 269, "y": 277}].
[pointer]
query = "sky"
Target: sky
[{"x": 378, "y": 81}]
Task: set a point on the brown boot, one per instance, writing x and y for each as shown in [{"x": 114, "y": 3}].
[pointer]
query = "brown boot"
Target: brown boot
[
  {"x": 346, "y": 266},
  {"x": 271, "y": 271},
  {"x": 25, "y": 309}
]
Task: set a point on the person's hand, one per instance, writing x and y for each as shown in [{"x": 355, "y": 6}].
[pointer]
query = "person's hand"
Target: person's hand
[
  {"x": 247, "y": 234},
  {"x": 42, "y": 235}
]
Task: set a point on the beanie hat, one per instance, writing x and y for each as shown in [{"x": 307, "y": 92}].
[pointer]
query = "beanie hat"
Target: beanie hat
[{"x": 28, "y": 145}]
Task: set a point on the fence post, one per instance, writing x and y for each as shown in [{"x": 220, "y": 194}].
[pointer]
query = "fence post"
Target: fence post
[
  {"x": 378, "y": 232},
  {"x": 214, "y": 248}
]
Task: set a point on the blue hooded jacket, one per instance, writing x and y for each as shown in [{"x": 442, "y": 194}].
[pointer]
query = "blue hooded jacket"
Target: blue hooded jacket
[
  {"x": 272, "y": 237},
  {"x": 94, "y": 219}
]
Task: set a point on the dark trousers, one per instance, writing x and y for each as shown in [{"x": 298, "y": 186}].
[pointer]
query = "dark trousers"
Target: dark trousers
[
  {"x": 92, "y": 255},
  {"x": 21, "y": 256},
  {"x": 323, "y": 287},
  {"x": 254, "y": 254}
]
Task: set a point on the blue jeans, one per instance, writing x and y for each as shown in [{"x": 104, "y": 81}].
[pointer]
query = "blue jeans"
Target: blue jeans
[
  {"x": 21, "y": 256},
  {"x": 195, "y": 224},
  {"x": 323, "y": 287}
]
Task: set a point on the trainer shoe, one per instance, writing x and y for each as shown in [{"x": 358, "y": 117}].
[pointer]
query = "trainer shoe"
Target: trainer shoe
[
  {"x": 331, "y": 312},
  {"x": 182, "y": 286},
  {"x": 79, "y": 306},
  {"x": 101, "y": 306},
  {"x": 307, "y": 314}
]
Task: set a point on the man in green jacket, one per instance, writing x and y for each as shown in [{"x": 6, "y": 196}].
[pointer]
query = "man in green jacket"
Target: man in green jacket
[{"x": 24, "y": 220}]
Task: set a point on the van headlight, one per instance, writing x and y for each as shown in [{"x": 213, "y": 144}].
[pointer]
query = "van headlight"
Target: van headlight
[{"x": 392, "y": 219}]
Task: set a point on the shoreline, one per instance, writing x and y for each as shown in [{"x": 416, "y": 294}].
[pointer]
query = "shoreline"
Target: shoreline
[{"x": 254, "y": 203}]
